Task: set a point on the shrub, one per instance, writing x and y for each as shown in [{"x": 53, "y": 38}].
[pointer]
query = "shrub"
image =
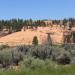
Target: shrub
[
  {"x": 56, "y": 51},
  {"x": 64, "y": 60},
  {"x": 3, "y": 47},
  {"x": 42, "y": 52},
  {"x": 5, "y": 58},
  {"x": 61, "y": 56},
  {"x": 69, "y": 46},
  {"x": 27, "y": 61},
  {"x": 23, "y": 48},
  {"x": 37, "y": 63},
  {"x": 16, "y": 57},
  {"x": 31, "y": 62},
  {"x": 10, "y": 56}
]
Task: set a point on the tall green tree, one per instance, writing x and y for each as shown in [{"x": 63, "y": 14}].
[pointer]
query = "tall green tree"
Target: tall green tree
[{"x": 35, "y": 40}]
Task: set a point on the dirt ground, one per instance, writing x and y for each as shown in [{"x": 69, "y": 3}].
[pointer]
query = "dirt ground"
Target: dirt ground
[{"x": 26, "y": 37}]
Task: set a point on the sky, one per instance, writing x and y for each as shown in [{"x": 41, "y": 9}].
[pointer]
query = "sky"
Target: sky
[{"x": 37, "y": 9}]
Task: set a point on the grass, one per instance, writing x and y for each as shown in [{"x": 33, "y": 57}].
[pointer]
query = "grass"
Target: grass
[{"x": 59, "y": 70}]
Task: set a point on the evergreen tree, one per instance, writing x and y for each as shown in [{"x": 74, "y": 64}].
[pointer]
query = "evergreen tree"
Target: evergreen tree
[{"x": 35, "y": 40}]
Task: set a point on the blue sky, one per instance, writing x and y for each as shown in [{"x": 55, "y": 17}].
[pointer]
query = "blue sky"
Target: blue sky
[{"x": 37, "y": 9}]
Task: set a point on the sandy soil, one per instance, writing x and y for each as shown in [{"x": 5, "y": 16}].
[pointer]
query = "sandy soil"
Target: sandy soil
[{"x": 26, "y": 37}]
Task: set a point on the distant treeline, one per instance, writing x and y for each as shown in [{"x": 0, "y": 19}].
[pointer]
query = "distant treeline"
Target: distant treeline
[
  {"x": 65, "y": 22},
  {"x": 18, "y": 24}
]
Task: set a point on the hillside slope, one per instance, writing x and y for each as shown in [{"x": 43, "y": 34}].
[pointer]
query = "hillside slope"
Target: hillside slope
[{"x": 26, "y": 37}]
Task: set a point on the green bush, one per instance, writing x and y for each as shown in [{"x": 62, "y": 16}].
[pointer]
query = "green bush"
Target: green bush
[
  {"x": 3, "y": 47},
  {"x": 10, "y": 56},
  {"x": 64, "y": 59},
  {"x": 23, "y": 48},
  {"x": 36, "y": 63},
  {"x": 61, "y": 56},
  {"x": 5, "y": 58},
  {"x": 69, "y": 46},
  {"x": 16, "y": 57},
  {"x": 41, "y": 52}
]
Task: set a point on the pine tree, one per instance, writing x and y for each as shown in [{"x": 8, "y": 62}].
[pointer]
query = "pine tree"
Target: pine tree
[{"x": 35, "y": 40}]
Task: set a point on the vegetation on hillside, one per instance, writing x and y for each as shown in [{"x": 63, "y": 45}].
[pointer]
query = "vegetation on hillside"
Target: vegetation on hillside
[
  {"x": 14, "y": 25},
  {"x": 39, "y": 59},
  {"x": 17, "y": 24}
]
